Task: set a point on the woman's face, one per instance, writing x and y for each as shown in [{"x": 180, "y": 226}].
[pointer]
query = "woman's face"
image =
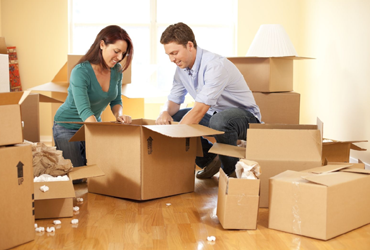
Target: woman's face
[{"x": 113, "y": 53}]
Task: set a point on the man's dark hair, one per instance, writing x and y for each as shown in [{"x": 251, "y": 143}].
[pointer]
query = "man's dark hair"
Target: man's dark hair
[{"x": 179, "y": 33}]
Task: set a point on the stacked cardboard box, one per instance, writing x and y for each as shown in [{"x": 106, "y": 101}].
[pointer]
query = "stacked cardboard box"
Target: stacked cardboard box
[
  {"x": 16, "y": 175},
  {"x": 271, "y": 81}
]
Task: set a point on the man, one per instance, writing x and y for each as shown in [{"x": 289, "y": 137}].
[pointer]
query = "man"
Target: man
[{"x": 223, "y": 100}]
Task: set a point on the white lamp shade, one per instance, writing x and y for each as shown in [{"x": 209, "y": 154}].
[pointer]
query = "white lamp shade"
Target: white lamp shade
[{"x": 271, "y": 40}]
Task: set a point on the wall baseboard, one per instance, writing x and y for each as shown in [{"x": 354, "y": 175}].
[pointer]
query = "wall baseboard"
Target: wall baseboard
[
  {"x": 45, "y": 138},
  {"x": 354, "y": 160}
]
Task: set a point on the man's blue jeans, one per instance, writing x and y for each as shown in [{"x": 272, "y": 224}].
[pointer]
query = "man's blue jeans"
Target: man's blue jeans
[
  {"x": 234, "y": 122},
  {"x": 75, "y": 151}
]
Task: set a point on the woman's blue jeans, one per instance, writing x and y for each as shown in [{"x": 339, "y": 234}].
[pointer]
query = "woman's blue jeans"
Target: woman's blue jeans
[
  {"x": 75, "y": 151},
  {"x": 234, "y": 122}
]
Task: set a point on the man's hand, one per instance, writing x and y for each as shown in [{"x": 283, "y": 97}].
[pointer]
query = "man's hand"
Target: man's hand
[{"x": 164, "y": 119}]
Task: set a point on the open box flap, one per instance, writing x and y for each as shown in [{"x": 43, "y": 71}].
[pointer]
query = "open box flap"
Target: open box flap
[
  {"x": 228, "y": 150},
  {"x": 44, "y": 98},
  {"x": 57, "y": 190},
  {"x": 79, "y": 135},
  {"x": 52, "y": 87},
  {"x": 356, "y": 171},
  {"x": 183, "y": 131},
  {"x": 85, "y": 172},
  {"x": 10, "y": 98},
  {"x": 326, "y": 179},
  {"x": 329, "y": 168},
  {"x": 275, "y": 57}
]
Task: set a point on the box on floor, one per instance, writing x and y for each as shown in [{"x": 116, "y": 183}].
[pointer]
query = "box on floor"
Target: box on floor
[
  {"x": 11, "y": 122},
  {"x": 278, "y": 148},
  {"x": 278, "y": 107},
  {"x": 339, "y": 151},
  {"x": 16, "y": 191},
  {"x": 58, "y": 201},
  {"x": 267, "y": 74},
  {"x": 237, "y": 204},
  {"x": 327, "y": 202},
  {"x": 142, "y": 161}
]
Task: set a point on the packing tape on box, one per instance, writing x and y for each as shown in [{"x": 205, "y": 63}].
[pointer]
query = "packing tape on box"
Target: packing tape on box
[
  {"x": 295, "y": 209},
  {"x": 246, "y": 169}
]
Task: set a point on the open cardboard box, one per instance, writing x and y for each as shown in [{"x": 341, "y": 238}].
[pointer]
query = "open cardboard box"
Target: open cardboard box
[
  {"x": 339, "y": 151},
  {"x": 16, "y": 191},
  {"x": 11, "y": 118},
  {"x": 4, "y": 67},
  {"x": 237, "y": 204},
  {"x": 267, "y": 74},
  {"x": 58, "y": 201},
  {"x": 278, "y": 148},
  {"x": 327, "y": 202},
  {"x": 279, "y": 107},
  {"x": 142, "y": 161}
]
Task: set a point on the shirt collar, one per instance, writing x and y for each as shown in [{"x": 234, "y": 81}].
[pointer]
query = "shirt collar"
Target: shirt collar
[{"x": 194, "y": 70}]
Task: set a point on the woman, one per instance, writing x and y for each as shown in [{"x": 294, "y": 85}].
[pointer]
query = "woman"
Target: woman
[{"x": 95, "y": 82}]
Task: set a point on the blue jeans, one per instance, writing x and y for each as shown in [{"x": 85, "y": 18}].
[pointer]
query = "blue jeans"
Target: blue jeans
[
  {"x": 234, "y": 122},
  {"x": 75, "y": 151}
]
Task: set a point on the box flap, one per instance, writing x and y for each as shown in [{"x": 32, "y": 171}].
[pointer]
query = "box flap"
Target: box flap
[
  {"x": 52, "y": 86},
  {"x": 243, "y": 187},
  {"x": 79, "y": 135},
  {"x": 280, "y": 57},
  {"x": 356, "y": 171},
  {"x": 44, "y": 98},
  {"x": 183, "y": 131},
  {"x": 57, "y": 190},
  {"x": 61, "y": 76},
  {"x": 13, "y": 97},
  {"x": 328, "y": 179},
  {"x": 229, "y": 150},
  {"x": 328, "y": 168},
  {"x": 85, "y": 172},
  {"x": 281, "y": 126}
]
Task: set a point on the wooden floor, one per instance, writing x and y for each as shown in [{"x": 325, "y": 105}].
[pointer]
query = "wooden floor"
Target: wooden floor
[{"x": 112, "y": 223}]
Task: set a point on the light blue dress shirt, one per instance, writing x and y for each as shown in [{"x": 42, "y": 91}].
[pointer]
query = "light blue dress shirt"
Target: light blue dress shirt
[{"x": 214, "y": 81}]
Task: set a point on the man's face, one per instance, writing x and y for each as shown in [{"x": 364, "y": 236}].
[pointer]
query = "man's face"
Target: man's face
[{"x": 183, "y": 57}]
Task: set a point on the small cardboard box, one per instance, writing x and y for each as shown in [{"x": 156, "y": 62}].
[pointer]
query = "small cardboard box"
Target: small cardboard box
[
  {"x": 278, "y": 148},
  {"x": 58, "y": 201},
  {"x": 267, "y": 74},
  {"x": 339, "y": 151},
  {"x": 323, "y": 204},
  {"x": 237, "y": 205},
  {"x": 16, "y": 204},
  {"x": 31, "y": 115},
  {"x": 4, "y": 67},
  {"x": 11, "y": 120},
  {"x": 142, "y": 161},
  {"x": 280, "y": 108}
]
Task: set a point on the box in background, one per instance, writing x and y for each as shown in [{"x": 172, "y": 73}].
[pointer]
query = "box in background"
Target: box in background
[
  {"x": 339, "y": 151},
  {"x": 142, "y": 161},
  {"x": 237, "y": 204},
  {"x": 58, "y": 201},
  {"x": 267, "y": 74},
  {"x": 4, "y": 67},
  {"x": 278, "y": 147},
  {"x": 16, "y": 192},
  {"x": 282, "y": 108},
  {"x": 11, "y": 119},
  {"x": 329, "y": 201}
]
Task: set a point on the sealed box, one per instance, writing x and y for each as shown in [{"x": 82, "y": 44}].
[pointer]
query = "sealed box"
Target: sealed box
[
  {"x": 16, "y": 190},
  {"x": 57, "y": 202},
  {"x": 142, "y": 161},
  {"x": 11, "y": 118},
  {"x": 339, "y": 151},
  {"x": 278, "y": 147},
  {"x": 279, "y": 107},
  {"x": 237, "y": 204},
  {"x": 267, "y": 74},
  {"x": 323, "y": 204},
  {"x": 31, "y": 115}
]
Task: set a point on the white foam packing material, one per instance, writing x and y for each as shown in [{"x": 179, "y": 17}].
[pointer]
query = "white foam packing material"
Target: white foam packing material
[{"x": 49, "y": 178}]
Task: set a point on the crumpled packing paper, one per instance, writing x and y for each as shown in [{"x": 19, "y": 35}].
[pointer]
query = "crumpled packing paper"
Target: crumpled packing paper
[{"x": 247, "y": 169}]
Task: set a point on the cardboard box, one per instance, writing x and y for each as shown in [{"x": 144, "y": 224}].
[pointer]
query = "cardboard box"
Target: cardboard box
[
  {"x": 31, "y": 115},
  {"x": 339, "y": 151},
  {"x": 4, "y": 67},
  {"x": 280, "y": 108},
  {"x": 58, "y": 201},
  {"x": 323, "y": 204},
  {"x": 278, "y": 148},
  {"x": 16, "y": 192},
  {"x": 267, "y": 74},
  {"x": 237, "y": 204},
  {"x": 142, "y": 161},
  {"x": 11, "y": 120}
]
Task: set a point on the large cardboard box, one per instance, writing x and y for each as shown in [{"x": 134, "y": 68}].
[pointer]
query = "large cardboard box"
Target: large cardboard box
[
  {"x": 237, "y": 204},
  {"x": 323, "y": 204},
  {"x": 278, "y": 147},
  {"x": 142, "y": 161},
  {"x": 31, "y": 115},
  {"x": 267, "y": 74},
  {"x": 280, "y": 108},
  {"x": 58, "y": 201},
  {"x": 16, "y": 192},
  {"x": 4, "y": 67},
  {"x": 11, "y": 120},
  {"x": 339, "y": 151}
]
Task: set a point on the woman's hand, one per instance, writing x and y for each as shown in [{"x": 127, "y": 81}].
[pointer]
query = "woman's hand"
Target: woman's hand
[{"x": 124, "y": 119}]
